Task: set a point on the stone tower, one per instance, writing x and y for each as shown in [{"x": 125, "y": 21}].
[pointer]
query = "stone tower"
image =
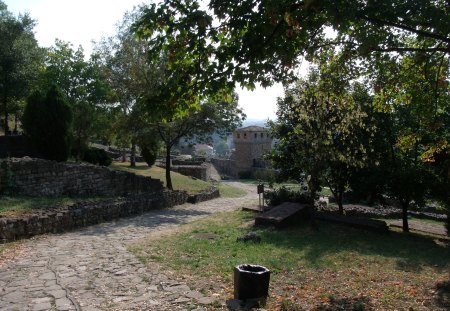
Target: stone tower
[{"x": 251, "y": 143}]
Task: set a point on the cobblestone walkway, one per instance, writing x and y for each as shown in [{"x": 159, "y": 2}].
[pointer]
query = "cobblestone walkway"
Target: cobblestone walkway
[{"x": 91, "y": 269}]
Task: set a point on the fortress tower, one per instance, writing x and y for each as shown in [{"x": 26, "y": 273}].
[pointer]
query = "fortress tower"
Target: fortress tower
[{"x": 251, "y": 143}]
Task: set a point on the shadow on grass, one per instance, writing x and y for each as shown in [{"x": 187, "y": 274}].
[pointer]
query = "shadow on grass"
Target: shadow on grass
[
  {"x": 138, "y": 167},
  {"x": 333, "y": 304},
  {"x": 410, "y": 250},
  {"x": 443, "y": 294},
  {"x": 357, "y": 303}
]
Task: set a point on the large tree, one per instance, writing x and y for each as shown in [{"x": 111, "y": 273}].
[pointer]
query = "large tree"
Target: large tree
[
  {"x": 82, "y": 83},
  {"x": 20, "y": 58},
  {"x": 252, "y": 41},
  {"x": 130, "y": 77},
  {"x": 212, "y": 116},
  {"x": 414, "y": 91},
  {"x": 320, "y": 130}
]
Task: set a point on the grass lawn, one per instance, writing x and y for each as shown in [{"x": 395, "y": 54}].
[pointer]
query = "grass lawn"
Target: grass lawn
[
  {"x": 14, "y": 206},
  {"x": 180, "y": 182},
  {"x": 332, "y": 268}
]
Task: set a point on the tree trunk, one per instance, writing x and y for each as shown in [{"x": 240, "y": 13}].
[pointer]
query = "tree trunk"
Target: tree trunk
[
  {"x": 339, "y": 202},
  {"x": 313, "y": 186},
  {"x": 6, "y": 124},
  {"x": 133, "y": 154},
  {"x": 168, "y": 178},
  {"x": 124, "y": 155},
  {"x": 15, "y": 123},
  {"x": 405, "y": 216},
  {"x": 5, "y": 111},
  {"x": 79, "y": 152}
]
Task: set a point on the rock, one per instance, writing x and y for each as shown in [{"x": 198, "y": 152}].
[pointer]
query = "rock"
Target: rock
[{"x": 249, "y": 237}]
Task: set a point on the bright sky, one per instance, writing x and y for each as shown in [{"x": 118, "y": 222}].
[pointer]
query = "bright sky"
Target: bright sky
[{"x": 82, "y": 21}]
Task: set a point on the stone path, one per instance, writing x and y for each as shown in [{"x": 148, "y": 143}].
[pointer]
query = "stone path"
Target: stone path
[{"x": 91, "y": 269}]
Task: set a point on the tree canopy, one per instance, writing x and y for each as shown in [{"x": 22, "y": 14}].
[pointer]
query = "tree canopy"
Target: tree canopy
[
  {"x": 262, "y": 41},
  {"x": 20, "y": 59},
  {"x": 84, "y": 86},
  {"x": 320, "y": 133},
  {"x": 131, "y": 78},
  {"x": 212, "y": 116}
]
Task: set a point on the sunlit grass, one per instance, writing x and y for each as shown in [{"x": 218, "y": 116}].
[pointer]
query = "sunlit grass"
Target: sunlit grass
[
  {"x": 18, "y": 205},
  {"x": 180, "y": 182},
  {"x": 227, "y": 191}
]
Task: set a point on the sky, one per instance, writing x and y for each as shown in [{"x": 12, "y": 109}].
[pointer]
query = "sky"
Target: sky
[{"x": 82, "y": 21}]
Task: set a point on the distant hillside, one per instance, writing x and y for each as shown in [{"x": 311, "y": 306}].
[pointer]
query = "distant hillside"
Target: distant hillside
[{"x": 257, "y": 122}]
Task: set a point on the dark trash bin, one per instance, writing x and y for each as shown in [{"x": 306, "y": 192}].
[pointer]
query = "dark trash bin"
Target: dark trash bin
[{"x": 251, "y": 282}]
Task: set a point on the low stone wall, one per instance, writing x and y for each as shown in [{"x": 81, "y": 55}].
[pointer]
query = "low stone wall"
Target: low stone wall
[
  {"x": 65, "y": 218},
  {"x": 187, "y": 162},
  {"x": 207, "y": 194},
  {"x": 37, "y": 177}
]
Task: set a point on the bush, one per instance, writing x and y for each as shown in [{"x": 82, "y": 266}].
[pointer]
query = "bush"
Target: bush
[
  {"x": 224, "y": 177},
  {"x": 6, "y": 183},
  {"x": 245, "y": 175},
  {"x": 149, "y": 156},
  {"x": 283, "y": 194},
  {"x": 47, "y": 121},
  {"x": 267, "y": 175},
  {"x": 97, "y": 156}
]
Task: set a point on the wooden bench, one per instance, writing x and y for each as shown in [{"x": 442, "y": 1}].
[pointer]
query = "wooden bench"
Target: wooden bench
[{"x": 283, "y": 215}]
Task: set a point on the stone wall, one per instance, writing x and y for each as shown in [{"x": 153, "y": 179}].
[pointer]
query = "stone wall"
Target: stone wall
[
  {"x": 225, "y": 166},
  {"x": 64, "y": 218},
  {"x": 187, "y": 162},
  {"x": 207, "y": 194},
  {"x": 202, "y": 172},
  {"x": 37, "y": 177}
]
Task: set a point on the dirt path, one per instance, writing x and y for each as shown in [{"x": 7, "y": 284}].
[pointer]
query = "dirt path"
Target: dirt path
[
  {"x": 436, "y": 229},
  {"x": 91, "y": 269}
]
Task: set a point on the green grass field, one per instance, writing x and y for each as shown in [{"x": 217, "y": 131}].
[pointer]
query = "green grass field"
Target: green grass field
[
  {"x": 18, "y": 205},
  {"x": 180, "y": 182},
  {"x": 331, "y": 266}
]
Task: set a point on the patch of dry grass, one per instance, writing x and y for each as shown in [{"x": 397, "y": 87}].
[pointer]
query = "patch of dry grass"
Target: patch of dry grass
[{"x": 332, "y": 268}]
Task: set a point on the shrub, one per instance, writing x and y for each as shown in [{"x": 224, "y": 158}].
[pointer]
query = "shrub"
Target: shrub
[
  {"x": 245, "y": 174},
  {"x": 224, "y": 177},
  {"x": 97, "y": 156},
  {"x": 149, "y": 155},
  {"x": 283, "y": 194},
  {"x": 267, "y": 175},
  {"x": 47, "y": 121},
  {"x": 6, "y": 183}
]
